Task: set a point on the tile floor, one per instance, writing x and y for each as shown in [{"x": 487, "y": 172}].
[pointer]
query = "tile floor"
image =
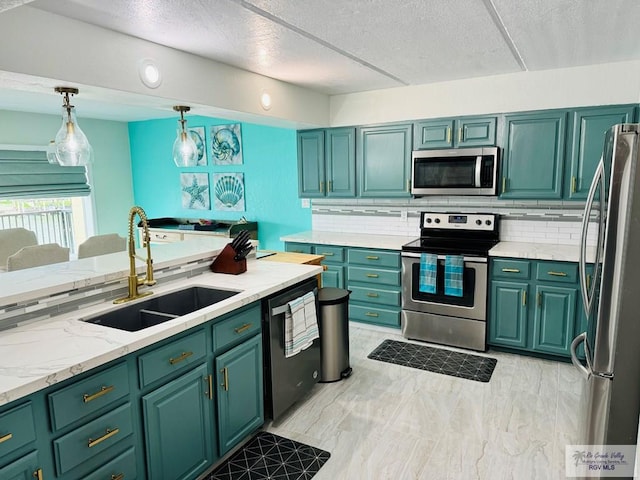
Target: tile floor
[{"x": 392, "y": 422}]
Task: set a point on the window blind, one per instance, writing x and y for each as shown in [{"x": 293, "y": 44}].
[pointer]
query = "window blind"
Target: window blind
[{"x": 28, "y": 174}]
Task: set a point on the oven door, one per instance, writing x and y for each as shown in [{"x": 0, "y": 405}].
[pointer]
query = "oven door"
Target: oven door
[{"x": 472, "y": 304}]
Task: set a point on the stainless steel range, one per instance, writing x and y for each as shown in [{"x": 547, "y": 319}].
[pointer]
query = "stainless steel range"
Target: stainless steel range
[{"x": 431, "y": 312}]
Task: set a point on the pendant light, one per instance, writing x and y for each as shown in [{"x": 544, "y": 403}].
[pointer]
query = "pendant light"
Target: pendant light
[
  {"x": 71, "y": 145},
  {"x": 185, "y": 151}
]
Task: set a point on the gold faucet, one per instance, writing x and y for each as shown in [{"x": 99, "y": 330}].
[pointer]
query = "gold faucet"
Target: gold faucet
[{"x": 134, "y": 281}]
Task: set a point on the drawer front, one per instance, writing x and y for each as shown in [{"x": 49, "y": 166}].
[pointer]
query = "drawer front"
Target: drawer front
[
  {"x": 331, "y": 254},
  {"x": 167, "y": 237},
  {"x": 564, "y": 272},
  {"x": 374, "y": 275},
  {"x": 87, "y": 396},
  {"x": 170, "y": 358},
  {"x": 236, "y": 328},
  {"x": 93, "y": 438},
  {"x": 380, "y": 316},
  {"x": 17, "y": 428},
  {"x": 122, "y": 467},
  {"x": 509, "y": 268},
  {"x": 298, "y": 247},
  {"x": 375, "y": 295},
  {"x": 375, "y": 257}
]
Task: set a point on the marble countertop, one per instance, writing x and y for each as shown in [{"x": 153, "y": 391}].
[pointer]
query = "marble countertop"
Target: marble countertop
[
  {"x": 41, "y": 354},
  {"x": 364, "y": 240},
  {"x": 541, "y": 251}
]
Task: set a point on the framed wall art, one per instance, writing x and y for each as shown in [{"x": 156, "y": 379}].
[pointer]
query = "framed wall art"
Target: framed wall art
[
  {"x": 195, "y": 191},
  {"x": 228, "y": 192},
  {"x": 198, "y": 136},
  {"x": 226, "y": 144}
]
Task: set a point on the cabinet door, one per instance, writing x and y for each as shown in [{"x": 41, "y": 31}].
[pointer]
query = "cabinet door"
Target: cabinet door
[
  {"x": 333, "y": 276},
  {"x": 587, "y": 143},
  {"x": 311, "y": 167},
  {"x": 475, "y": 131},
  {"x": 26, "y": 468},
  {"x": 554, "y": 320},
  {"x": 340, "y": 150},
  {"x": 384, "y": 161},
  {"x": 240, "y": 402},
  {"x": 433, "y": 134},
  {"x": 179, "y": 427},
  {"x": 533, "y": 155},
  {"x": 508, "y": 314}
]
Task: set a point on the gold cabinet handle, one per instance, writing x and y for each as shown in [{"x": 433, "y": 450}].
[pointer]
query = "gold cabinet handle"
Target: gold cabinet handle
[
  {"x": 119, "y": 476},
  {"x": 504, "y": 184},
  {"x": 557, "y": 274},
  {"x": 373, "y": 295},
  {"x": 38, "y": 474},
  {"x": 243, "y": 328},
  {"x": 225, "y": 379},
  {"x": 327, "y": 254},
  {"x": 110, "y": 433},
  {"x": 296, "y": 251},
  {"x": 524, "y": 298},
  {"x": 372, "y": 275},
  {"x": 209, "y": 380},
  {"x": 371, "y": 314},
  {"x": 6, "y": 437},
  {"x": 448, "y": 134},
  {"x": 511, "y": 270},
  {"x": 86, "y": 398},
  {"x": 161, "y": 236},
  {"x": 321, "y": 187},
  {"x": 329, "y": 186},
  {"x": 179, "y": 359},
  {"x": 574, "y": 183},
  {"x": 372, "y": 257},
  {"x": 460, "y": 135}
]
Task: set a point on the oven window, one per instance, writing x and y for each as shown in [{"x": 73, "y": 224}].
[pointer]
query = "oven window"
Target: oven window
[
  {"x": 468, "y": 287},
  {"x": 445, "y": 172}
]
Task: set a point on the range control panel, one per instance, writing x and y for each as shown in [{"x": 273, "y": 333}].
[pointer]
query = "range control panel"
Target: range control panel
[{"x": 460, "y": 221}]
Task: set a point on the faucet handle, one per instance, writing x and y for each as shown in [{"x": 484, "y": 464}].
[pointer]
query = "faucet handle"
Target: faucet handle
[{"x": 149, "y": 282}]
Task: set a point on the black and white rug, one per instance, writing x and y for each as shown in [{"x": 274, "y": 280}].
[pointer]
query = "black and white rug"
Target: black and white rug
[
  {"x": 438, "y": 360},
  {"x": 269, "y": 456}
]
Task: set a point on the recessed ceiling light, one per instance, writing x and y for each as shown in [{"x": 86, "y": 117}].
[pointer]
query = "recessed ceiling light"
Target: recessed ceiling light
[
  {"x": 265, "y": 100},
  {"x": 149, "y": 73}
]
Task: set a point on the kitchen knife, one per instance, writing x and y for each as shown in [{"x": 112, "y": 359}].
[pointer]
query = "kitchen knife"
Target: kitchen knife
[
  {"x": 241, "y": 238},
  {"x": 243, "y": 253}
]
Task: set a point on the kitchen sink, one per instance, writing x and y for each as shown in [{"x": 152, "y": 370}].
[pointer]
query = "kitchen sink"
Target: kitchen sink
[{"x": 156, "y": 310}]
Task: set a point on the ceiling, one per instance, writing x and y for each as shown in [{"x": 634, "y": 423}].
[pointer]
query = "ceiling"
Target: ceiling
[{"x": 339, "y": 47}]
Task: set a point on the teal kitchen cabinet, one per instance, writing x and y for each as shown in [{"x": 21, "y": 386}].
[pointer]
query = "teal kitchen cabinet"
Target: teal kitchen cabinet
[
  {"x": 532, "y": 165},
  {"x": 26, "y": 468},
  {"x": 383, "y": 155},
  {"x": 326, "y": 163},
  {"x": 18, "y": 436},
  {"x": 555, "y": 319},
  {"x": 295, "y": 247},
  {"x": 334, "y": 263},
  {"x": 509, "y": 314},
  {"x": 588, "y": 127},
  {"x": 179, "y": 428},
  {"x": 455, "y": 132},
  {"x": 239, "y": 392}
]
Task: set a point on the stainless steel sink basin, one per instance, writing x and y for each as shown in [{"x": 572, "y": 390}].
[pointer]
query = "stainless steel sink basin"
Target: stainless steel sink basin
[{"x": 155, "y": 310}]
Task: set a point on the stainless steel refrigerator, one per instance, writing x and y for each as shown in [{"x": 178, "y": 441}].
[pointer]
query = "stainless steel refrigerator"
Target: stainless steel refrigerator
[{"x": 611, "y": 301}]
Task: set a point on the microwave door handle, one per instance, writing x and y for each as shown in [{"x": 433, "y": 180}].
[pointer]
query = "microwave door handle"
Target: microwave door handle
[{"x": 478, "y": 170}]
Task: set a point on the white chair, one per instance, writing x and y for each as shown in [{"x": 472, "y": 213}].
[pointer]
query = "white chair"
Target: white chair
[
  {"x": 12, "y": 240},
  {"x": 101, "y": 245},
  {"x": 37, "y": 255}
]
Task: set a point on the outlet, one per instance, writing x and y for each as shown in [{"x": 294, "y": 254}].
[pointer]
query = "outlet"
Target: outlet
[
  {"x": 403, "y": 214},
  {"x": 306, "y": 203}
]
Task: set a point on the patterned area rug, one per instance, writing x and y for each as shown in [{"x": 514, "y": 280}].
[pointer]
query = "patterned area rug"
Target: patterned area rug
[
  {"x": 438, "y": 360},
  {"x": 269, "y": 456}
]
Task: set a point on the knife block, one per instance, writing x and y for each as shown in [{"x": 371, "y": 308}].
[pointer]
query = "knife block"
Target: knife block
[{"x": 224, "y": 262}]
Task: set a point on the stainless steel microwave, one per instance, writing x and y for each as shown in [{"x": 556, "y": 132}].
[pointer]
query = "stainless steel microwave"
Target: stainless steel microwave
[{"x": 459, "y": 171}]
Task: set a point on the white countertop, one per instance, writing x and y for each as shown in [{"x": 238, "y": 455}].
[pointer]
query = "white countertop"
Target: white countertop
[
  {"x": 541, "y": 251},
  {"x": 364, "y": 240},
  {"x": 41, "y": 354}
]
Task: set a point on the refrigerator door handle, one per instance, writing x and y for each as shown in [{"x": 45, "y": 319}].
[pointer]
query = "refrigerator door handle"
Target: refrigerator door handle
[{"x": 586, "y": 371}]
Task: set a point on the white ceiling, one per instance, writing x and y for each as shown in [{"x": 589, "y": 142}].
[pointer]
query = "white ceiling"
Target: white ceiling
[{"x": 337, "y": 46}]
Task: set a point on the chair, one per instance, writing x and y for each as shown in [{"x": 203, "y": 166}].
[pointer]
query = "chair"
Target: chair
[
  {"x": 37, "y": 255},
  {"x": 12, "y": 240},
  {"x": 101, "y": 245}
]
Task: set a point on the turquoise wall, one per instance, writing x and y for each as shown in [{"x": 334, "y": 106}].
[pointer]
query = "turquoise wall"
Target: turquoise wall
[{"x": 270, "y": 176}]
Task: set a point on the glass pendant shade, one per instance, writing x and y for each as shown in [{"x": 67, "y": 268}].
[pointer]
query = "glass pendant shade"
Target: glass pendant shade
[
  {"x": 71, "y": 145},
  {"x": 185, "y": 150}
]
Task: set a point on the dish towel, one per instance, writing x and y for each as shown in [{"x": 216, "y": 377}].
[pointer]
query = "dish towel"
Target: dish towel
[
  {"x": 428, "y": 272},
  {"x": 300, "y": 324},
  {"x": 453, "y": 268}
]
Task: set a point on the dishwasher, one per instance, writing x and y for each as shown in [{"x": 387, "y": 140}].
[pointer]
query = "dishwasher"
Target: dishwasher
[{"x": 286, "y": 380}]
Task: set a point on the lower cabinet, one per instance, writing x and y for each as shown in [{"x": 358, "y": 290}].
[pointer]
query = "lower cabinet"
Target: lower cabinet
[
  {"x": 508, "y": 317},
  {"x": 26, "y": 468}
]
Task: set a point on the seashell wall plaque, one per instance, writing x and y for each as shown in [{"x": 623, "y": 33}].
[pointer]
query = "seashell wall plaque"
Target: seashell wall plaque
[
  {"x": 228, "y": 192},
  {"x": 197, "y": 133},
  {"x": 226, "y": 144}
]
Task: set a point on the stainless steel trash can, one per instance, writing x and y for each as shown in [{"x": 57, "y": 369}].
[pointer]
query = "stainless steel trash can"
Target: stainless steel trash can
[{"x": 334, "y": 333}]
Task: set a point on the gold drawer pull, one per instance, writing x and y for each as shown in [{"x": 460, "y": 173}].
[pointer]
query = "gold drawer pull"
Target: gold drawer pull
[
  {"x": 460, "y": 137},
  {"x": 372, "y": 275},
  {"x": 6, "y": 437},
  {"x": 225, "y": 379},
  {"x": 297, "y": 251},
  {"x": 557, "y": 274},
  {"x": 209, "y": 379},
  {"x": 371, "y": 314},
  {"x": 373, "y": 295},
  {"x": 372, "y": 257},
  {"x": 119, "y": 476},
  {"x": 179, "y": 359},
  {"x": 110, "y": 433},
  {"x": 160, "y": 236},
  {"x": 38, "y": 474},
  {"x": 243, "y": 328},
  {"x": 448, "y": 134},
  {"x": 511, "y": 270},
  {"x": 328, "y": 254},
  {"x": 86, "y": 398}
]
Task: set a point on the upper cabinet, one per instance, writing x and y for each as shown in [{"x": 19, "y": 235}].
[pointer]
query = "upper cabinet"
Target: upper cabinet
[
  {"x": 384, "y": 160},
  {"x": 533, "y": 155},
  {"x": 586, "y": 144},
  {"x": 454, "y": 132},
  {"x": 326, "y": 163}
]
